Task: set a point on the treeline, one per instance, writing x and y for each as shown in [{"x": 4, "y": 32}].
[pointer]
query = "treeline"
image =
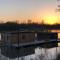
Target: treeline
[{"x": 30, "y": 26}]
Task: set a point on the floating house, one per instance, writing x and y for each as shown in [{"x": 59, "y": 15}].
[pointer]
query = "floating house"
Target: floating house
[
  {"x": 25, "y": 38},
  {"x": 22, "y": 43}
]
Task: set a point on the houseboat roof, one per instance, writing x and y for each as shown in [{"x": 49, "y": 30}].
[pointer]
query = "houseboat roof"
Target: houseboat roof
[{"x": 27, "y": 31}]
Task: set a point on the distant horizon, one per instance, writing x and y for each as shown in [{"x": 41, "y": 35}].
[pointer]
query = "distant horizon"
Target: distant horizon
[{"x": 28, "y": 22}]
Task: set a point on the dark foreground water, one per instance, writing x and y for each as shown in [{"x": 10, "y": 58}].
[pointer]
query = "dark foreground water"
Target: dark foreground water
[{"x": 38, "y": 54}]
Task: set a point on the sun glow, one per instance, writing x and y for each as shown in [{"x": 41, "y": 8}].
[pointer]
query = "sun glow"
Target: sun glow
[{"x": 50, "y": 20}]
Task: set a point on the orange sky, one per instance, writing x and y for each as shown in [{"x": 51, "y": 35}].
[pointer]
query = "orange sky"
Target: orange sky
[{"x": 36, "y": 10}]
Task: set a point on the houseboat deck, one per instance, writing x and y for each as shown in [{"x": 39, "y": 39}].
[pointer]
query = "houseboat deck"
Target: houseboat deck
[{"x": 32, "y": 43}]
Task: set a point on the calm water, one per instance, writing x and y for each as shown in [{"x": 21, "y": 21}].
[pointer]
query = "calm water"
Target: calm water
[{"x": 40, "y": 54}]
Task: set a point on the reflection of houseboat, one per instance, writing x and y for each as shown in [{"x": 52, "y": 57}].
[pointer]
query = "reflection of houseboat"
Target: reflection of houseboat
[{"x": 17, "y": 52}]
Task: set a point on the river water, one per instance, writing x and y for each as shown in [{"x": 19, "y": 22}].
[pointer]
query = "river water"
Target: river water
[{"x": 40, "y": 54}]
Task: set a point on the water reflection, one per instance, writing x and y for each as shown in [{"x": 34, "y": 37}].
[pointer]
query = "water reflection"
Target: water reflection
[
  {"x": 40, "y": 54},
  {"x": 12, "y": 52}
]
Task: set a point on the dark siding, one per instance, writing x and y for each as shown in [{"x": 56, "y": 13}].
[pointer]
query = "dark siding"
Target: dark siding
[{"x": 47, "y": 36}]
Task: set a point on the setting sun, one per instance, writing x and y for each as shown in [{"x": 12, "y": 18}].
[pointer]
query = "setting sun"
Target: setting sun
[{"x": 50, "y": 20}]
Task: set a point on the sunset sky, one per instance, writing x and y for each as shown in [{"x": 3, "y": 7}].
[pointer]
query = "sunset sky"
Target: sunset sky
[{"x": 22, "y": 10}]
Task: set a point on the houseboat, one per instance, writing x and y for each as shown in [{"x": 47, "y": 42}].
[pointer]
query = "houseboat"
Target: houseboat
[
  {"x": 27, "y": 38},
  {"x": 22, "y": 43}
]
